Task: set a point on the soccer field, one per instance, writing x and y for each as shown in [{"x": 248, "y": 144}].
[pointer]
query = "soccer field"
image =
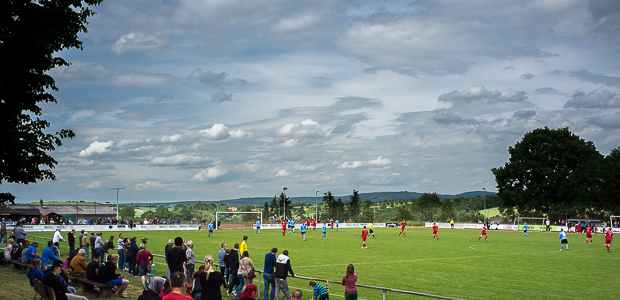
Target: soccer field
[{"x": 507, "y": 266}]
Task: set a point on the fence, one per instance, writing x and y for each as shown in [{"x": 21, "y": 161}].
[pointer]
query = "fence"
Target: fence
[{"x": 259, "y": 281}]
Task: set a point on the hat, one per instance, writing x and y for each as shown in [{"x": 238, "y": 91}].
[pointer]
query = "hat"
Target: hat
[
  {"x": 35, "y": 242},
  {"x": 170, "y": 241}
]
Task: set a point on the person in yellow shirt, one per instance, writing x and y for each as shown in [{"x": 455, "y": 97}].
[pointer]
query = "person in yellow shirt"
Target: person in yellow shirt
[
  {"x": 372, "y": 230},
  {"x": 451, "y": 224},
  {"x": 244, "y": 246}
]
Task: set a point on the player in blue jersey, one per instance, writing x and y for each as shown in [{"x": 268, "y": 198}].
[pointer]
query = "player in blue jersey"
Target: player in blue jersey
[
  {"x": 337, "y": 224},
  {"x": 525, "y": 227},
  {"x": 293, "y": 224},
  {"x": 257, "y": 226},
  {"x": 211, "y": 229},
  {"x": 324, "y": 229},
  {"x": 303, "y": 231},
  {"x": 563, "y": 239}
]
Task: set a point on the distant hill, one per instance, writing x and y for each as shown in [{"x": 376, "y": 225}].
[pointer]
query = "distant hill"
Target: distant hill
[{"x": 378, "y": 196}]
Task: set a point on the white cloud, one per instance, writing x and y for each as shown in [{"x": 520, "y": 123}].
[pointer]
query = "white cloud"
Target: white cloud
[
  {"x": 143, "y": 79},
  {"x": 179, "y": 160},
  {"x": 149, "y": 185},
  {"x": 310, "y": 167},
  {"x": 304, "y": 128},
  {"x": 171, "y": 138},
  {"x": 81, "y": 114},
  {"x": 95, "y": 148},
  {"x": 94, "y": 185},
  {"x": 295, "y": 23},
  {"x": 80, "y": 71},
  {"x": 290, "y": 143},
  {"x": 378, "y": 162},
  {"x": 210, "y": 173},
  {"x": 138, "y": 42},
  {"x": 221, "y": 132},
  {"x": 282, "y": 173}
]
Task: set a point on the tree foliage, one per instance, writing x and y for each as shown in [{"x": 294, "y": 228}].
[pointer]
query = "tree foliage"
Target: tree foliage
[
  {"x": 30, "y": 33},
  {"x": 427, "y": 205},
  {"x": 354, "y": 207},
  {"x": 126, "y": 213}
]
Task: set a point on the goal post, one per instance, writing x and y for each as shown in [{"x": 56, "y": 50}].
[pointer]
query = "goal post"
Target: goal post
[
  {"x": 220, "y": 214},
  {"x": 533, "y": 222}
]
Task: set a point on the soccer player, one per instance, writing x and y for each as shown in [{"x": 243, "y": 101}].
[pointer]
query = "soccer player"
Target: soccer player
[
  {"x": 303, "y": 231},
  {"x": 364, "y": 235},
  {"x": 257, "y": 226},
  {"x": 525, "y": 227},
  {"x": 609, "y": 236},
  {"x": 562, "y": 237},
  {"x": 313, "y": 223},
  {"x": 293, "y": 225},
  {"x": 588, "y": 234},
  {"x": 435, "y": 227},
  {"x": 283, "y": 228},
  {"x": 308, "y": 223},
  {"x": 451, "y": 224},
  {"x": 337, "y": 224},
  {"x": 331, "y": 222},
  {"x": 402, "y": 228},
  {"x": 484, "y": 232},
  {"x": 372, "y": 227},
  {"x": 211, "y": 229},
  {"x": 324, "y": 228}
]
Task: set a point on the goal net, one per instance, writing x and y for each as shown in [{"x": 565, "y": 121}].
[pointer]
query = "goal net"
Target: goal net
[
  {"x": 237, "y": 219},
  {"x": 534, "y": 223}
]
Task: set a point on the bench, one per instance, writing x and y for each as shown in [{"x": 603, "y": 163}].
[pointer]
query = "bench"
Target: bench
[
  {"x": 105, "y": 290},
  {"x": 18, "y": 264}
]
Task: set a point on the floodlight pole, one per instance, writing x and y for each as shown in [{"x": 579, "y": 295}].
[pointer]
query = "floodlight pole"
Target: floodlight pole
[
  {"x": 284, "y": 193},
  {"x": 316, "y": 205},
  {"x": 485, "y": 206},
  {"x": 117, "y": 189}
]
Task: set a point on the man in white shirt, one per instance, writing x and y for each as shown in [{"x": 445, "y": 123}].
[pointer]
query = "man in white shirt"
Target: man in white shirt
[
  {"x": 548, "y": 227},
  {"x": 57, "y": 238}
]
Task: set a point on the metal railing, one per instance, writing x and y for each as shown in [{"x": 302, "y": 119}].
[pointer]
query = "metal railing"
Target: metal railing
[{"x": 258, "y": 279}]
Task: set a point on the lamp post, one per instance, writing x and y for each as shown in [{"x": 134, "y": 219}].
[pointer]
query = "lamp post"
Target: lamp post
[
  {"x": 284, "y": 193},
  {"x": 118, "y": 189},
  {"x": 316, "y": 204},
  {"x": 485, "y": 206}
]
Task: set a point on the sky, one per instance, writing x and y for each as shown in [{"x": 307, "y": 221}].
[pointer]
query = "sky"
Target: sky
[{"x": 209, "y": 100}]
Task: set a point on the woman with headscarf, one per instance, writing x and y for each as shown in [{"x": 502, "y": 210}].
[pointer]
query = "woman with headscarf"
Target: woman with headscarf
[
  {"x": 210, "y": 281},
  {"x": 153, "y": 288}
]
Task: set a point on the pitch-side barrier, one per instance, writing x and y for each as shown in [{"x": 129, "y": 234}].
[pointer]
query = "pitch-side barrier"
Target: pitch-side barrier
[
  {"x": 104, "y": 228},
  {"x": 259, "y": 280}
]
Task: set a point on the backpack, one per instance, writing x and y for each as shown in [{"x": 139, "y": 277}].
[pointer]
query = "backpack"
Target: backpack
[{"x": 16, "y": 252}]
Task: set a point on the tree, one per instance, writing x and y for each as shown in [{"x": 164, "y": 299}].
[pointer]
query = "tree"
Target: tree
[
  {"x": 544, "y": 174},
  {"x": 404, "y": 213},
  {"x": 447, "y": 210},
  {"x": 354, "y": 206},
  {"x": 30, "y": 33},
  {"x": 266, "y": 210},
  {"x": 329, "y": 199},
  {"x": 274, "y": 206},
  {"x": 302, "y": 211},
  {"x": 427, "y": 205},
  {"x": 282, "y": 202},
  {"x": 127, "y": 212}
]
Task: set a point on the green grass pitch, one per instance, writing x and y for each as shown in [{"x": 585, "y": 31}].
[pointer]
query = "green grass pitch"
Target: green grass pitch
[{"x": 507, "y": 266}]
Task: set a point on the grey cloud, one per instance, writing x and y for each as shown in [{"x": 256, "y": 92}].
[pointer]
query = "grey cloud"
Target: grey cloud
[
  {"x": 509, "y": 68},
  {"x": 606, "y": 121},
  {"x": 480, "y": 94},
  {"x": 545, "y": 90},
  {"x": 220, "y": 97},
  {"x": 524, "y": 114},
  {"x": 208, "y": 77},
  {"x": 163, "y": 97},
  {"x": 80, "y": 71},
  {"x": 585, "y": 75},
  {"x": 450, "y": 118},
  {"x": 604, "y": 99},
  {"x": 605, "y": 16},
  {"x": 527, "y": 76},
  {"x": 347, "y": 103},
  {"x": 348, "y": 124}
]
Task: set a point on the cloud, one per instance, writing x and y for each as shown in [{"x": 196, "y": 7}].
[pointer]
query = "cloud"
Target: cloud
[
  {"x": 96, "y": 148},
  {"x": 220, "y": 97},
  {"x": 94, "y": 185},
  {"x": 585, "y": 75},
  {"x": 208, "y": 77},
  {"x": 295, "y": 23},
  {"x": 79, "y": 71},
  {"x": 220, "y": 131},
  {"x": 171, "y": 138},
  {"x": 81, "y": 114},
  {"x": 179, "y": 160},
  {"x": 163, "y": 97},
  {"x": 210, "y": 173},
  {"x": 545, "y": 91},
  {"x": 378, "y": 162},
  {"x": 604, "y": 99},
  {"x": 480, "y": 94},
  {"x": 138, "y": 42},
  {"x": 524, "y": 114},
  {"x": 306, "y": 127},
  {"x": 282, "y": 173},
  {"x": 606, "y": 121},
  {"x": 149, "y": 185},
  {"x": 142, "y": 79},
  {"x": 527, "y": 76}
]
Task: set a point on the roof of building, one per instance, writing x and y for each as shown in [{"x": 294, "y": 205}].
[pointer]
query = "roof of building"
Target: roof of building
[
  {"x": 64, "y": 209},
  {"x": 7, "y": 211}
]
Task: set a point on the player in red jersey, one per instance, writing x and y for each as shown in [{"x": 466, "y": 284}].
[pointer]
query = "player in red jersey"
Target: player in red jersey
[
  {"x": 402, "y": 228},
  {"x": 313, "y": 223},
  {"x": 331, "y": 221},
  {"x": 435, "y": 227},
  {"x": 609, "y": 236},
  {"x": 589, "y": 234},
  {"x": 364, "y": 235},
  {"x": 484, "y": 232},
  {"x": 308, "y": 223},
  {"x": 283, "y": 228}
]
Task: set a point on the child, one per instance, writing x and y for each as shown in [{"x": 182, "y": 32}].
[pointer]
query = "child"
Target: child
[
  {"x": 152, "y": 270},
  {"x": 319, "y": 292},
  {"x": 189, "y": 284}
]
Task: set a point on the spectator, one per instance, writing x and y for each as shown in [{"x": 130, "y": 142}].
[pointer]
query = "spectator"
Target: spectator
[
  {"x": 244, "y": 246},
  {"x": 246, "y": 267},
  {"x": 297, "y": 295},
  {"x": 57, "y": 238},
  {"x": 92, "y": 269},
  {"x": 31, "y": 252},
  {"x": 25, "y": 246},
  {"x": 66, "y": 272},
  {"x": 127, "y": 246},
  {"x": 191, "y": 260},
  {"x": 132, "y": 256},
  {"x": 210, "y": 281},
  {"x": 233, "y": 268},
  {"x": 153, "y": 287},
  {"x": 109, "y": 244},
  {"x": 196, "y": 287},
  {"x": 268, "y": 275},
  {"x": 221, "y": 257},
  {"x": 2, "y": 232},
  {"x": 91, "y": 242},
  {"x": 35, "y": 271},
  {"x": 99, "y": 245},
  {"x": 249, "y": 293},
  {"x": 177, "y": 256},
  {"x": 68, "y": 261},
  {"x": 318, "y": 291},
  {"x": 80, "y": 240},
  {"x": 167, "y": 288},
  {"x": 283, "y": 266},
  {"x": 109, "y": 276},
  {"x": 143, "y": 259},
  {"x": 349, "y": 280},
  {"x": 20, "y": 233},
  {"x": 177, "y": 281},
  {"x": 71, "y": 239},
  {"x": 7, "y": 249},
  {"x": 120, "y": 249},
  {"x": 48, "y": 256},
  {"x": 169, "y": 246},
  {"x": 53, "y": 280},
  {"x": 79, "y": 263},
  {"x": 86, "y": 244}
]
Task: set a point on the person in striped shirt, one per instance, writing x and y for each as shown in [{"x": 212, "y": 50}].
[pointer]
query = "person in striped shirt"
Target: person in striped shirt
[{"x": 320, "y": 293}]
